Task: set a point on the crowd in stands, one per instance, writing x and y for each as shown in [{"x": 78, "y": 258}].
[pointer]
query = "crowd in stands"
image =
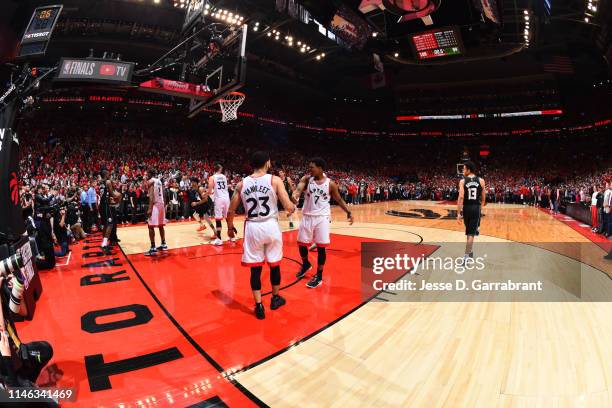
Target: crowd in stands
[{"x": 63, "y": 162}]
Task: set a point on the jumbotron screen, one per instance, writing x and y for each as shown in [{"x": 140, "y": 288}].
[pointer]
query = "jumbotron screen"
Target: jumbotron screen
[{"x": 442, "y": 42}]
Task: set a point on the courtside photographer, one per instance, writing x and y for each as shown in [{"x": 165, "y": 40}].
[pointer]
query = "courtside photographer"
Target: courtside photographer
[{"x": 21, "y": 363}]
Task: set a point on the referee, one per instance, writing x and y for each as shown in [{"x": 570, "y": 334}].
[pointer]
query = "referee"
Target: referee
[{"x": 471, "y": 198}]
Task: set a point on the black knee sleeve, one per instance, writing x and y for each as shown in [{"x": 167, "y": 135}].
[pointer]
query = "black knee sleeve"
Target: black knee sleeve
[
  {"x": 321, "y": 255},
  {"x": 303, "y": 251},
  {"x": 256, "y": 277},
  {"x": 275, "y": 277},
  {"x": 218, "y": 224}
]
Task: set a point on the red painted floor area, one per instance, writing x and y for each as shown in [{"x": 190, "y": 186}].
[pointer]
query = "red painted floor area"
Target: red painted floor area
[
  {"x": 162, "y": 331},
  {"x": 583, "y": 229}
]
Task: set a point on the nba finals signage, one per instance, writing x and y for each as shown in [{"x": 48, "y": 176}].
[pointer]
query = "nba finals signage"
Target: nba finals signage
[{"x": 95, "y": 70}]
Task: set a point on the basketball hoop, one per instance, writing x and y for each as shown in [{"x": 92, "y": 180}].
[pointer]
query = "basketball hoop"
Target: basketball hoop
[{"x": 230, "y": 104}]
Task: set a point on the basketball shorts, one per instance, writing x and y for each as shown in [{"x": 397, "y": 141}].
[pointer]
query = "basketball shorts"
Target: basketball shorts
[
  {"x": 204, "y": 209},
  {"x": 471, "y": 219},
  {"x": 109, "y": 215},
  {"x": 314, "y": 228},
  {"x": 221, "y": 207},
  {"x": 158, "y": 216},
  {"x": 263, "y": 242}
]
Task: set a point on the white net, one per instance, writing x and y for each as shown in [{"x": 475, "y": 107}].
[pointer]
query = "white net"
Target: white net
[{"x": 229, "y": 106}]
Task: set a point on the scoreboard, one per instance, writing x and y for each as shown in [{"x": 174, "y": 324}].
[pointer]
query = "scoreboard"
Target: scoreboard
[
  {"x": 38, "y": 32},
  {"x": 442, "y": 42}
]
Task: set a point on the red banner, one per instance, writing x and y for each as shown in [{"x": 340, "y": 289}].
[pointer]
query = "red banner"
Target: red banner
[{"x": 177, "y": 88}]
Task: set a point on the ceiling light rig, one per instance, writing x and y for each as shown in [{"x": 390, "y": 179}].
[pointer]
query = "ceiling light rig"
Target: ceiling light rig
[
  {"x": 527, "y": 30},
  {"x": 226, "y": 16},
  {"x": 291, "y": 42},
  {"x": 591, "y": 10}
]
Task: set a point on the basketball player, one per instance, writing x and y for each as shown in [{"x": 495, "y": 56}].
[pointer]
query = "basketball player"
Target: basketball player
[
  {"x": 263, "y": 240},
  {"x": 108, "y": 212},
  {"x": 289, "y": 186},
  {"x": 471, "y": 197},
  {"x": 201, "y": 204},
  {"x": 217, "y": 184},
  {"x": 156, "y": 214},
  {"x": 314, "y": 228}
]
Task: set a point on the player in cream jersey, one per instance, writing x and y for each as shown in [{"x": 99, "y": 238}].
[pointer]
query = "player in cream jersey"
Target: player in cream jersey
[
  {"x": 217, "y": 184},
  {"x": 156, "y": 214},
  {"x": 263, "y": 240},
  {"x": 314, "y": 228}
]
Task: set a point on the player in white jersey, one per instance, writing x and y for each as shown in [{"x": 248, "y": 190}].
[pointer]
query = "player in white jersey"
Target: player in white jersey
[
  {"x": 263, "y": 240},
  {"x": 314, "y": 228},
  {"x": 218, "y": 185},
  {"x": 156, "y": 214}
]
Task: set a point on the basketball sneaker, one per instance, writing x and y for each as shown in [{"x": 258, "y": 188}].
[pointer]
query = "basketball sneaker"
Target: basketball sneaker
[
  {"x": 260, "y": 313},
  {"x": 277, "y": 301},
  {"x": 162, "y": 247},
  {"x": 305, "y": 268},
  {"x": 217, "y": 242},
  {"x": 234, "y": 239},
  {"x": 151, "y": 252},
  {"x": 201, "y": 228},
  {"x": 314, "y": 282}
]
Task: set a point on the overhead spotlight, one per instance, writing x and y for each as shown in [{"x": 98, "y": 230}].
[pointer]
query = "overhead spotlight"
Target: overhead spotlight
[
  {"x": 525, "y": 12},
  {"x": 299, "y": 43},
  {"x": 396, "y": 54},
  {"x": 224, "y": 11},
  {"x": 205, "y": 12},
  {"x": 526, "y": 31},
  {"x": 230, "y": 14},
  {"x": 257, "y": 23},
  {"x": 526, "y": 18},
  {"x": 156, "y": 1},
  {"x": 207, "y": 6},
  {"x": 375, "y": 34},
  {"x": 303, "y": 50},
  {"x": 586, "y": 19},
  {"x": 269, "y": 34},
  {"x": 308, "y": 48},
  {"x": 255, "y": 28},
  {"x": 323, "y": 54},
  {"x": 318, "y": 57}
]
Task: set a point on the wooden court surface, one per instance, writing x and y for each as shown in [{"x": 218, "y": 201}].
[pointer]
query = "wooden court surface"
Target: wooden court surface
[{"x": 327, "y": 347}]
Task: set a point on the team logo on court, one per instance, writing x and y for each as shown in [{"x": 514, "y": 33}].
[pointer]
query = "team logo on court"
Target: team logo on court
[
  {"x": 424, "y": 213},
  {"x": 13, "y": 187}
]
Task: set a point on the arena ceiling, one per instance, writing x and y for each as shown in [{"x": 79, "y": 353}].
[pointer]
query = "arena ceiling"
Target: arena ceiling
[{"x": 142, "y": 30}]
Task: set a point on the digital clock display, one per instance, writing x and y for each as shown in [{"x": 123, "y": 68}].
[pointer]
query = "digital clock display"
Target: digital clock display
[
  {"x": 38, "y": 33},
  {"x": 437, "y": 43}
]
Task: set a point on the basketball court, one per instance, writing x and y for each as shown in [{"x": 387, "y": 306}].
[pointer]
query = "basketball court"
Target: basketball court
[
  {"x": 396, "y": 95},
  {"x": 178, "y": 329}
]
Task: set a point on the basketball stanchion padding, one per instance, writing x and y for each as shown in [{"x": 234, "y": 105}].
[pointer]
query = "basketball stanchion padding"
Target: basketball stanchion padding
[{"x": 230, "y": 104}]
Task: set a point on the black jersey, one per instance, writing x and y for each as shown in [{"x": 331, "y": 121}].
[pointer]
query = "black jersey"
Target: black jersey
[
  {"x": 472, "y": 190},
  {"x": 104, "y": 195},
  {"x": 193, "y": 195}
]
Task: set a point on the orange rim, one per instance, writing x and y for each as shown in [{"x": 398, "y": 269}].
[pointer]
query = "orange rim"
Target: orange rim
[{"x": 232, "y": 93}]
